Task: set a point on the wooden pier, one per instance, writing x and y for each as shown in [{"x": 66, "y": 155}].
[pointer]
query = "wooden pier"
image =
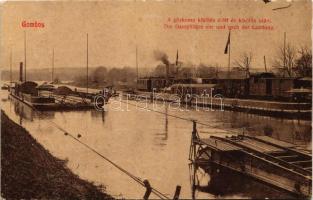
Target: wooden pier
[{"x": 262, "y": 158}]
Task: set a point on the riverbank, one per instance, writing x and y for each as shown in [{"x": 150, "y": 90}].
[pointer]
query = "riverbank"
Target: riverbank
[{"x": 28, "y": 171}]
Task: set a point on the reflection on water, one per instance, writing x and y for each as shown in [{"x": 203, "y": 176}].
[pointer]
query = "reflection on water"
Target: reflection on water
[
  {"x": 293, "y": 131},
  {"x": 225, "y": 184},
  {"x": 161, "y": 136},
  {"x": 151, "y": 145},
  {"x": 98, "y": 115}
]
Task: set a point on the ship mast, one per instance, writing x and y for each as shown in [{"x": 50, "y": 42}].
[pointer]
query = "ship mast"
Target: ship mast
[
  {"x": 52, "y": 75},
  {"x": 11, "y": 68},
  {"x": 24, "y": 56},
  {"x": 228, "y": 74},
  {"x": 87, "y": 64},
  {"x": 265, "y": 64},
  {"x": 137, "y": 72},
  {"x": 284, "y": 53}
]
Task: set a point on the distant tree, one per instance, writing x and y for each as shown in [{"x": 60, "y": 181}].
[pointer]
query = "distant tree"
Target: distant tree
[
  {"x": 99, "y": 75},
  {"x": 238, "y": 69},
  {"x": 205, "y": 71},
  {"x": 113, "y": 75},
  {"x": 160, "y": 70},
  {"x": 185, "y": 72},
  {"x": 56, "y": 80},
  {"x": 285, "y": 60},
  {"x": 243, "y": 63},
  {"x": 80, "y": 80},
  {"x": 126, "y": 75},
  {"x": 303, "y": 64}
]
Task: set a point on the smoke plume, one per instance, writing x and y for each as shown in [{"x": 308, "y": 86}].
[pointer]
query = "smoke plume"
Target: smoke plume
[{"x": 161, "y": 56}]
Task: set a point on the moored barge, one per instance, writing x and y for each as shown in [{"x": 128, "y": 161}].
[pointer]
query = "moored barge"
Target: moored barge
[
  {"x": 28, "y": 93},
  {"x": 272, "y": 162}
]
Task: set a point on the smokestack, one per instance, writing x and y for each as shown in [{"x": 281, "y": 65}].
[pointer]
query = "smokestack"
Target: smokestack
[
  {"x": 161, "y": 56},
  {"x": 21, "y": 71}
]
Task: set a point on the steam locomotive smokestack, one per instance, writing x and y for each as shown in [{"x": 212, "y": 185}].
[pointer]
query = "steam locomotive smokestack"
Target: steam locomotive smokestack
[{"x": 21, "y": 71}]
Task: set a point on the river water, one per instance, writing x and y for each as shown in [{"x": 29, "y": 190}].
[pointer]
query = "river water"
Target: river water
[{"x": 148, "y": 144}]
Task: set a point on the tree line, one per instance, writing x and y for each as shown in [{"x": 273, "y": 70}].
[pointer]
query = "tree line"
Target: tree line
[
  {"x": 288, "y": 62},
  {"x": 103, "y": 77}
]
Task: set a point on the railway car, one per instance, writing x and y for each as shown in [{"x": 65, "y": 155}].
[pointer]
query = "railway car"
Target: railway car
[
  {"x": 153, "y": 83},
  {"x": 258, "y": 86},
  {"x": 144, "y": 84},
  {"x": 268, "y": 86}
]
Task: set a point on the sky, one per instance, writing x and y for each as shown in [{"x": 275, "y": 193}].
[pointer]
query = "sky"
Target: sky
[{"x": 115, "y": 28}]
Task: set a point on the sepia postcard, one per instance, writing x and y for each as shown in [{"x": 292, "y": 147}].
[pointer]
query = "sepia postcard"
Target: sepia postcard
[{"x": 156, "y": 99}]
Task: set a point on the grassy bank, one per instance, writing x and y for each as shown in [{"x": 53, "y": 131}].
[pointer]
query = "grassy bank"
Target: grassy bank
[{"x": 30, "y": 171}]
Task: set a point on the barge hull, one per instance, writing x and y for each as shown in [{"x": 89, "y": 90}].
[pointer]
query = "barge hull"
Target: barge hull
[
  {"x": 278, "y": 166},
  {"x": 53, "y": 106}
]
